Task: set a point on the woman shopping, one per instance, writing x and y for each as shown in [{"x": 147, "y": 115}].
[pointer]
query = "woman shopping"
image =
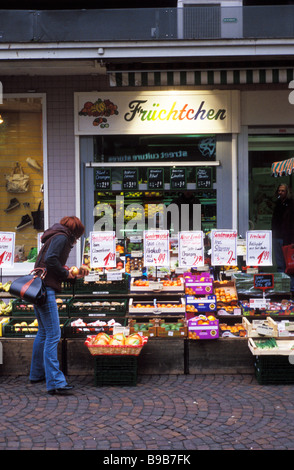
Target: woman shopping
[{"x": 57, "y": 241}]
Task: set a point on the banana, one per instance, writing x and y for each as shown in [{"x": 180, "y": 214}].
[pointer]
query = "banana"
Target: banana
[{"x": 6, "y": 286}]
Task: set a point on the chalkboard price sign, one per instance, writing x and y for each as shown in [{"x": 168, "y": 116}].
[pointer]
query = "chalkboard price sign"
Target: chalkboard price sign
[
  {"x": 203, "y": 178},
  {"x": 178, "y": 178},
  {"x": 263, "y": 281},
  {"x": 130, "y": 178},
  {"x": 102, "y": 178},
  {"x": 155, "y": 178}
]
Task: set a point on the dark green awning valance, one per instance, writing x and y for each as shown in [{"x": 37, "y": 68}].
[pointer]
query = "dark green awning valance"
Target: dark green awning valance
[{"x": 199, "y": 77}]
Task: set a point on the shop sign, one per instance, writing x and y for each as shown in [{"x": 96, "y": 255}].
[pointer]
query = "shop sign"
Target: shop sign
[
  {"x": 156, "y": 248},
  {"x": 191, "y": 250},
  {"x": 148, "y": 112},
  {"x": 259, "y": 248},
  {"x": 155, "y": 178},
  {"x": 102, "y": 178},
  {"x": 7, "y": 247},
  {"x": 178, "y": 178},
  {"x": 204, "y": 178},
  {"x": 223, "y": 247},
  {"x": 102, "y": 250}
]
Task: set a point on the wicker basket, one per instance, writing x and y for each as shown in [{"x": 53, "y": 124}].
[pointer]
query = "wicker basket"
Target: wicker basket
[{"x": 109, "y": 350}]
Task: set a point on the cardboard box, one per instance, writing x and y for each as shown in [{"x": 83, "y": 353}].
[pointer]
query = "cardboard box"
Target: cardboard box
[
  {"x": 199, "y": 284},
  {"x": 201, "y": 328},
  {"x": 200, "y": 304}
]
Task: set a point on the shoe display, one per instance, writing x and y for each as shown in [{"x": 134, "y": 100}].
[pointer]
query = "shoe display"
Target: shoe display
[
  {"x": 61, "y": 391},
  {"x": 33, "y": 163},
  {"x": 14, "y": 203},
  {"x": 25, "y": 220}
]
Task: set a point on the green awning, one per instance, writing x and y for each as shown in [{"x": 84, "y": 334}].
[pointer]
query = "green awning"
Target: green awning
[{"x": 283, "y": 168}]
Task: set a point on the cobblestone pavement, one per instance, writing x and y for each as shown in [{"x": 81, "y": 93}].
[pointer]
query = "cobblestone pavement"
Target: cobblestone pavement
[{"x": 164, "y": 413}]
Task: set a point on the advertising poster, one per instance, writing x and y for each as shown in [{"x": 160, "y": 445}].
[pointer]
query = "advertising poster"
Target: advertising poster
[
  {"x": 223, "y": 247},
  {"x": 102, "y": 250},
  {"x": 7, "y": 246},
  {"x": 259, "y": 248},
  {"x": 191, "y": 250},
  {"x": 156, "y": 248}
]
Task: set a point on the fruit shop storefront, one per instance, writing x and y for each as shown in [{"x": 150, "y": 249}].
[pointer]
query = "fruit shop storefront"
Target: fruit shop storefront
[{"x": 138, "y": 154}]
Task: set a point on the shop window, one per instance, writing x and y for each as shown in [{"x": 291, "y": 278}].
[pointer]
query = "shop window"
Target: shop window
[
  {"x": 263, "y": 151},
  {"x": 21, "y": 150},
  {"x": 170, "y": 150}
]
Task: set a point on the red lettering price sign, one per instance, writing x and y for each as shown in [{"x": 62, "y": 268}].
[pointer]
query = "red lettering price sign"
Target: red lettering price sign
[
  {"x": 223, "y": 247},
  {"x": 7, "y": 246},
  {"x": 102, "y": 250},
  {"x": 191, "y": 250},
  {"x": 156, "y": 248},
  {"x": 259, "y": 248}
]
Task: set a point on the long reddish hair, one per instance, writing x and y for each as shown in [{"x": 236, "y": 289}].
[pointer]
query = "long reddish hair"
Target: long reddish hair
[{"x": 74, "y": 224}]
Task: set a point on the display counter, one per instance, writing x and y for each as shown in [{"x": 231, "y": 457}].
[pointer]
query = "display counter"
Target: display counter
[{"x": 187, "y": 334}]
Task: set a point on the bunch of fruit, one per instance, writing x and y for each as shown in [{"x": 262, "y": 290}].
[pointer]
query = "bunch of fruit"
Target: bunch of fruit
[
  {"x": 223, "y": 295},
  {"x": 5, "y": 287},
  {"x": 5, "y": 308},
  {"x": 25, "y": 327},
  {"x": 118, "y": 339}
]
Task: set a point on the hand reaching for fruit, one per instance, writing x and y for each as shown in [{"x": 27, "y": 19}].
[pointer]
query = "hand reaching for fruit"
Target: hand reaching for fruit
[{"x": 78, "y": 273}]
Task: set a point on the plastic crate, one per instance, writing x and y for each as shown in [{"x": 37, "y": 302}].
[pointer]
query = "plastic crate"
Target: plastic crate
[
  {"x": 100, "y": 286},
  {"x": 67, "y": 288},
  {"x": 81, "y": 331},
  {"x": 274, "y": 370},
  {"x": 23, "y": 327},
  {"x": 115, "y": 370},
  {"x": 97, "y": 307},
  {"x": 21, "y": 307}
]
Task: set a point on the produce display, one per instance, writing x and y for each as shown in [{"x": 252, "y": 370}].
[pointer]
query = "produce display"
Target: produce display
[{"x": 117, "y": 344}]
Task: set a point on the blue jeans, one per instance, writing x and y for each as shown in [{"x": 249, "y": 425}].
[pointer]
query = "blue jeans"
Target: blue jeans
[{"x": 45, "y": 362}]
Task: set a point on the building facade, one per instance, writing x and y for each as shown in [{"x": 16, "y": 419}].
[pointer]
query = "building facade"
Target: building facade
[{"x": 197, "y": 89}]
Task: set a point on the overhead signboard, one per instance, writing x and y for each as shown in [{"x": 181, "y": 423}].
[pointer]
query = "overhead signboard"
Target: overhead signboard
[{"x": 148, "y": 112}]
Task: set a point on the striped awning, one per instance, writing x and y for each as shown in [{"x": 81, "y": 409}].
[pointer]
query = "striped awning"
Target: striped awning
[
  {"x": 283, "y": 168},
  {"x": 199, "y": 77}
]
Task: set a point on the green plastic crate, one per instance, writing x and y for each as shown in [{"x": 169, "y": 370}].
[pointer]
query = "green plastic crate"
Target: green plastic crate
[
  {"x": 115, "y": 370},
  {"x": 97, "y": 307},
  {"x": 102, "y": 286},
  {"x": 273, "y": 370}
]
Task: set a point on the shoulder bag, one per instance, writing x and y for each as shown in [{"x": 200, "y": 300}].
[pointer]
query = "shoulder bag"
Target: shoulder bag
[
  {"x": 31, "y": 287},
  {"x": 17, "y": 181}
]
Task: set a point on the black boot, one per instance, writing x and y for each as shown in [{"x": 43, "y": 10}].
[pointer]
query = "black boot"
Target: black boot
[{"x": 14, "y": 203}]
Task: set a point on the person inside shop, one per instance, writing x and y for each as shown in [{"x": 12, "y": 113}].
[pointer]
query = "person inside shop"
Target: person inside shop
[
  {"x": 58, "y": 241},
  {"x": 283, "y": 226}
]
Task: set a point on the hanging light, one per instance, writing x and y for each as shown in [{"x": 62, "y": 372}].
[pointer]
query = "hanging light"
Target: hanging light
[{"x": 1, "y": 119}]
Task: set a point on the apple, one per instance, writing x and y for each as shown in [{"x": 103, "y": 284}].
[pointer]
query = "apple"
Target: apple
[{"x": 75, "y": 271}]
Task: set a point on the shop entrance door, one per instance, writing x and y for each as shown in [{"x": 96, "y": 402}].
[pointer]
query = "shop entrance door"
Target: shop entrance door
[{"x": 265, "y": 149}]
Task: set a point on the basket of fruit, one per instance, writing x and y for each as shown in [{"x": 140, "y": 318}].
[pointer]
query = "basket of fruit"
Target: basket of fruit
[{"x": 116, "y": 345}]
